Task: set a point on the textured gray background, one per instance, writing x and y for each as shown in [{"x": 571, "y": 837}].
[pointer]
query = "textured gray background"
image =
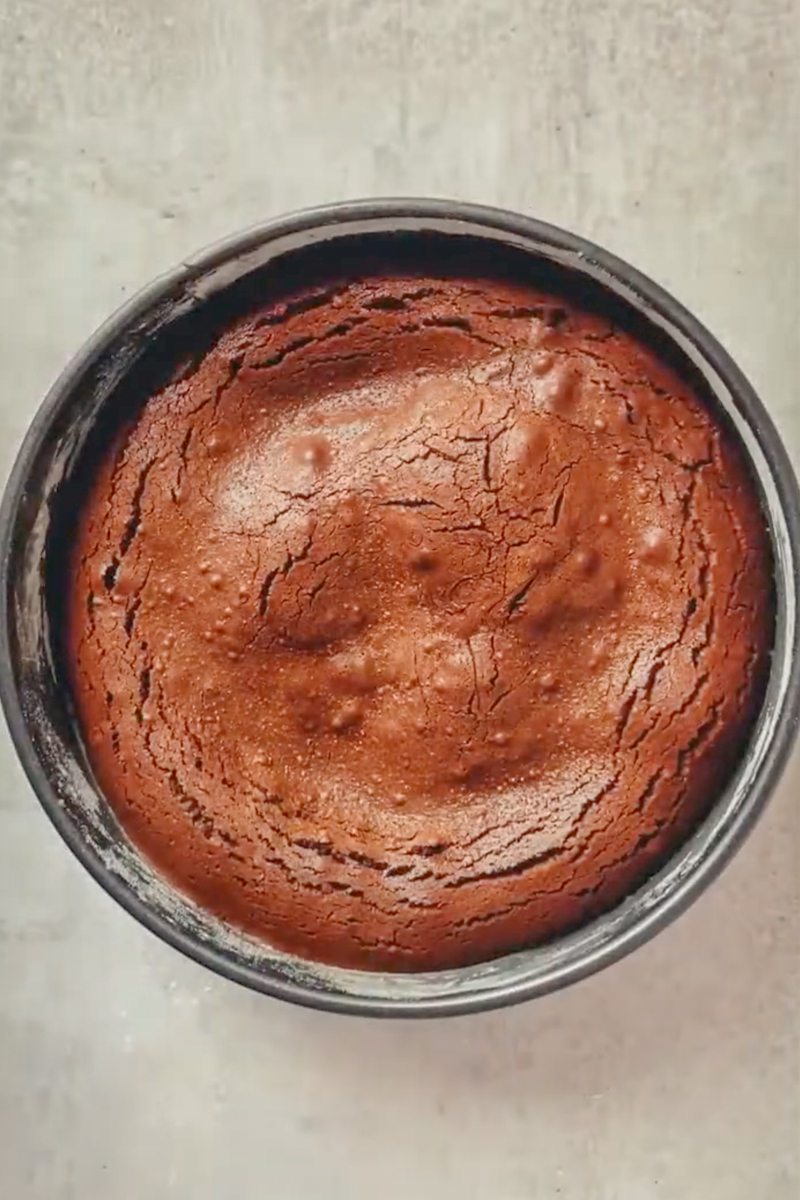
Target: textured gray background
[{"x": 134, "y": 131}]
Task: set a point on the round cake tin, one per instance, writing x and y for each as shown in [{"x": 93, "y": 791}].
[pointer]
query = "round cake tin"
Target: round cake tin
[{"x": 36, "y": 699}]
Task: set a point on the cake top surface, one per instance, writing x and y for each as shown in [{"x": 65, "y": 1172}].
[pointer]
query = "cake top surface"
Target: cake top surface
[{"x": 419, "y": 617}]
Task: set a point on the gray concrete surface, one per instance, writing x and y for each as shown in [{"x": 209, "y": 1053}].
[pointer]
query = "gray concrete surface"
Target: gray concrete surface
[{"x": 134, "y": 131}]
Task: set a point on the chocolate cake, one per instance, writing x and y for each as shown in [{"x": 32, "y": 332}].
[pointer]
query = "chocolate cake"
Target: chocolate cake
[{"x": 419, "y": 618}]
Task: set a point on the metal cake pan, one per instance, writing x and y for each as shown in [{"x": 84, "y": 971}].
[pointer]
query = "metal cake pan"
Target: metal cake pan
[{"x": 36, "y": 700}]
